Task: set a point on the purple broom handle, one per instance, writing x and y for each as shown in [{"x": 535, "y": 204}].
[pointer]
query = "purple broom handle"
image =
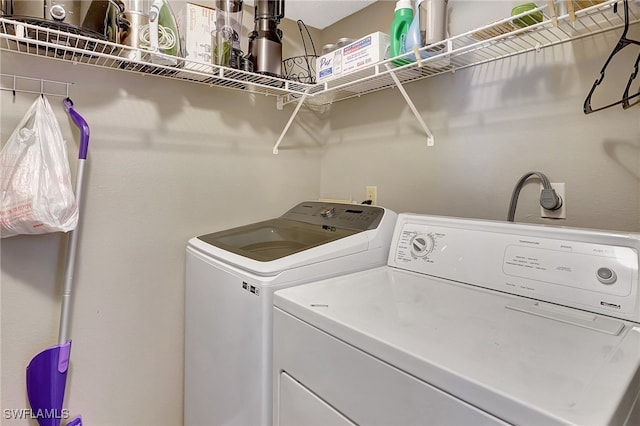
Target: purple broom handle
[{"x": 82, "y": 125}]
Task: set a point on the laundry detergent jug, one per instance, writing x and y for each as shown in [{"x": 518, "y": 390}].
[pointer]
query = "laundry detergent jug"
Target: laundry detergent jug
[
  {"x": 413, "y": 39},
  {"x": 402, "y": 18}
]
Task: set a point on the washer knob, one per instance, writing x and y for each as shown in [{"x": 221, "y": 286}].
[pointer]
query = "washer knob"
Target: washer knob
[
  {"x": 57, "y": 12},
  {"x": 606, "y": 276},
  {"x": 328, "y": 212},
  {"x": 422, "y": 245}
]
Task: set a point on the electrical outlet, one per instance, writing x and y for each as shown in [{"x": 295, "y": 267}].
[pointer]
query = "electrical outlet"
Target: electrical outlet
[
  {"x": 561, "y": 213},
  {"x": 371, "y": 193}
]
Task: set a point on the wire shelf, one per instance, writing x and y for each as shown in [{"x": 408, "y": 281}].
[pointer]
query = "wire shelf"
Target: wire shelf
[
  {"x": 492, "y": 42},
  {"x": 495, "y": 41},
  {"x": 31, "y": 39}
]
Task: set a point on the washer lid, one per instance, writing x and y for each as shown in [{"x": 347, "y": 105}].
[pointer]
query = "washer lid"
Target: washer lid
[
  {"x": 274, "y": 239},
  {"x": 522, "y": 367}
]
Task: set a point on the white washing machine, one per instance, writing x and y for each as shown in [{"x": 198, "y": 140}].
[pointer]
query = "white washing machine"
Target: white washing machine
[
  {"x": 230, "y": 279},
  {"x": 470, "y": 323}
]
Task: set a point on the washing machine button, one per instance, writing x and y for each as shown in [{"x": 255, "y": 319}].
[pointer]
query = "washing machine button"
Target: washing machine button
[{"x": 606, "y": 276}]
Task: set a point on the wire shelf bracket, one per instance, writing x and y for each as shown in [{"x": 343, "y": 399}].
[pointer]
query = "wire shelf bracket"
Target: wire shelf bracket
[
  {"x": 293, "y": 116},
  {"x": 407, "y": 98}
]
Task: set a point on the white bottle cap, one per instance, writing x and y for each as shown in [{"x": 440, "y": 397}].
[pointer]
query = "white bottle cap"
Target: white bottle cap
[{"x": 404, "y": 4}]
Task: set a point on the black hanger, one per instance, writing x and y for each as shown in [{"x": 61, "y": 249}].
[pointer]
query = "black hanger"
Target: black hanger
[{"x": 622, "y": 43}]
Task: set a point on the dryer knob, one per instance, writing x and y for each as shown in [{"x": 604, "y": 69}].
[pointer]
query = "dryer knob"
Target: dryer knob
[{"x": 421, "y": 245}]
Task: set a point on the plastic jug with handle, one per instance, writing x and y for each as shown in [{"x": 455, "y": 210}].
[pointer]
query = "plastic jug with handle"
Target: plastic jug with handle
[{"x": 402, "y": 18}]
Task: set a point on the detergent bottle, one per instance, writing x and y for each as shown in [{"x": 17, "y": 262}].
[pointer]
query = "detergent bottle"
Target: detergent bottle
[
  {"x": 402, "y": 18},
  {"x": 413, "y": 39}
]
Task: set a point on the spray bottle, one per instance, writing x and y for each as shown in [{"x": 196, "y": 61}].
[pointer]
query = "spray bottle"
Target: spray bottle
[{"x": 402, "y": 18}]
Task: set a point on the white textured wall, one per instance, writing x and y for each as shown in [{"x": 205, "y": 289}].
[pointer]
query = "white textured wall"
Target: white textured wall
[
  {"x": 167, "y": 161},
  {"x": 492, "y": 124},
  {"x": 170, "y": 160}
]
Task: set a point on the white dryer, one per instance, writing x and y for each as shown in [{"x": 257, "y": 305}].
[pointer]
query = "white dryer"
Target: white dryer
[
  {"x": 230, "y": 279},
  {"x": 470, "y": 323}
]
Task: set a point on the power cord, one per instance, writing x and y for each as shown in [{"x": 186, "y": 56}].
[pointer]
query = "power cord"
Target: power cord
[
  {"x": 166, "y": 37},
  {"x": 549, "y": 200}
]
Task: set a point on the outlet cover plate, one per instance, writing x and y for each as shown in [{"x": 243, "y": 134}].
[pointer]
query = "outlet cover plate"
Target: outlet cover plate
[
  {"x": 561, "y": 213},
  {"x": 371, "y": 193}
]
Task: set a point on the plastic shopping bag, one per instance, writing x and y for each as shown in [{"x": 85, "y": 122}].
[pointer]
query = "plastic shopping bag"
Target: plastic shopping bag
[{"x": 36, "y": 195}]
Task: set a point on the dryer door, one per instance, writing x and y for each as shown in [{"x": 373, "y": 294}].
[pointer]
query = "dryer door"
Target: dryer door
[
  {"x": 366, "y": 389},
  {"x": 298, "y": 406}
]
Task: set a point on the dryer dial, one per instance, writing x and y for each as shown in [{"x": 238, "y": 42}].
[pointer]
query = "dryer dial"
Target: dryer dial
[{"x": 422, "y": 245}]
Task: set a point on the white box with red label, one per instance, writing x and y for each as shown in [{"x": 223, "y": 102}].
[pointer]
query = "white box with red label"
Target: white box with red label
[{"x": 366, "y": 51}]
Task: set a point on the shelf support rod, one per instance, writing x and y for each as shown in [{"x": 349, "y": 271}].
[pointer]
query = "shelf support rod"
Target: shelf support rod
[
  {"x": 293, "y": 116},
  {"x": 413, "y": 108}
]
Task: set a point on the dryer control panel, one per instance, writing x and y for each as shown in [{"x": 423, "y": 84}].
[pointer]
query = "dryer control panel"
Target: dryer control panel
[{"x": 585, "y": 269}]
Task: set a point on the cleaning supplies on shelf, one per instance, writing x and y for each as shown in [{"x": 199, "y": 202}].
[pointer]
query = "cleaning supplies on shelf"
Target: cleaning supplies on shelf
[
  {"x": 359, "y": 54},
  {"x": 424, "y": 29},
  {"x": 402, "y": 18},
  {"x": 413, "y": 40},
  {"x": 407, "y": 39}
]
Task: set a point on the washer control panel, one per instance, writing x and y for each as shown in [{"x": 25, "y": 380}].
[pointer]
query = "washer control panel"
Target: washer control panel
[
  {"x": 579, "y": 268},
  {"x": 358, "y": 217}
]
